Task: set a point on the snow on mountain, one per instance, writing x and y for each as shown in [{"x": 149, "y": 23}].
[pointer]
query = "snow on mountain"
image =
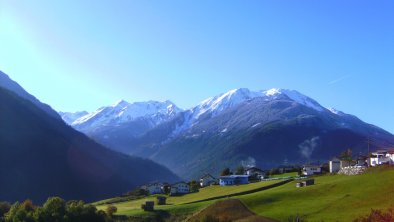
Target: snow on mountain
[
  {"x": 234, "y": 97},
  {"x": 123, "y": 112},
  {"x": 215, "y": 105},
  {"x": 70, "y": 117},
  {"x": 223, "y": 101},
  {"x": 296, "y": 97},
  {"x": 336, "y": 112}
]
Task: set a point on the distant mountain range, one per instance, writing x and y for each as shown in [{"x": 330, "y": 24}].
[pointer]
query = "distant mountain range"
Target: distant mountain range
[
  {"x": 41, "y": 156},
  {"x": 240, "y": 127}
]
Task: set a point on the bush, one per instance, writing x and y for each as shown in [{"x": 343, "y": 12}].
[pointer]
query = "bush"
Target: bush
[
  {"x": 4, "y": 208},
  {"x": 378, "y": 216},
  {"x": 111, "y": 209}
]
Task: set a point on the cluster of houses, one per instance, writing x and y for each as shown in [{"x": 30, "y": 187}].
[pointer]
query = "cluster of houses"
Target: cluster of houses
[
  {"x": 376, "y": 158},
  {"x": 379, "y": 157},
  {"x": 182, "y": 188}
]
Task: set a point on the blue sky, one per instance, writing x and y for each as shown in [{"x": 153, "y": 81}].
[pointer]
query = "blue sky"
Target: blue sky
[{"x": 80, "y": 55}]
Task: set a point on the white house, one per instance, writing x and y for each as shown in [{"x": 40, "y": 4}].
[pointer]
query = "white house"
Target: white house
[
  {"x": 153, "y": 188},
  {"x": 335, "y": 165},
  {"x": 179, "y": 188},
  {"x": 310, "y": 170},
  {"x": 207, "y": 180},
  {"x": 390, "y": 154},
  {"x": 380, "y": 157},
  {"x": 254, "y": 171}
]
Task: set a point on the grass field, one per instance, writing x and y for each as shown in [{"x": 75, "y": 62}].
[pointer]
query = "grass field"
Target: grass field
[
  {"x": 177, "y": 204},
  {"x": 332, "y": 198}
]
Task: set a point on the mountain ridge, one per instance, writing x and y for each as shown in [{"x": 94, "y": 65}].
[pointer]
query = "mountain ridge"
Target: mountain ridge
[{"x": 228, "y": 128}]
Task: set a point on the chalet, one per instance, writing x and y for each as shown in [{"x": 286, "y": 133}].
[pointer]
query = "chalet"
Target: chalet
[
  {"x": 153, "y": 188},
  {"x": 179, "y": 188},
  {"x": 335, "y": 165},
  {"x": 311, "y": 170},
  {"x": 208, "y": 180},
  {"x": 255, "y": 172},
  {"x": 233, "y": 180}
]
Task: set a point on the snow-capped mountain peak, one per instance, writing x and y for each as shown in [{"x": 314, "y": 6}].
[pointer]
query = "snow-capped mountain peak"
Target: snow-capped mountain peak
[
  {"x": 216, "y": 104},
  {"x": 295, "y": 96},
  {"x": 123, "y": 112},
  {"x": 121, "y": 103},
  {"x": 223, "y": 101}
]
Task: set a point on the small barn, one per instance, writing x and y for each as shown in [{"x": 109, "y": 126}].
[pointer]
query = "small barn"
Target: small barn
[
  {"x": 148, "y": 206},
  {"x": 306, "y": 183},
  {"x": 161, "y": 200}
]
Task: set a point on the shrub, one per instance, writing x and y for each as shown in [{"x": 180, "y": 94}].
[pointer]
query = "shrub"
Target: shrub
[
  {"x": 378, "y": 216},
  {"x": 111, "y": 209}
]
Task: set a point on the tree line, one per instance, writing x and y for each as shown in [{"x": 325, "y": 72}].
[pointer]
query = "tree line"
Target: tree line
[{"x": 55, "y": 209}]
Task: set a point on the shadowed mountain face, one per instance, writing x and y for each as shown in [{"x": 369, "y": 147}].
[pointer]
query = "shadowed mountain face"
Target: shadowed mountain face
[
  {"x": 241, "y": 127},
  {"x": 40, "y": 156},
  {"x": 13, "y": 86}
]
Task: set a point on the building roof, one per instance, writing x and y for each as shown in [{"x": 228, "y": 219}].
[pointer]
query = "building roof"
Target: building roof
[
  {"x": 254, "y": 168},
  {"x": 207, "y": 175},
  {"x": 381, "y": 151}
]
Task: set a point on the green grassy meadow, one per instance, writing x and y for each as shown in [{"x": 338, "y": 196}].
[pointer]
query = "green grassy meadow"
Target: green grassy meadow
[
  {"x": 332, "y": 198},
  {"x": 178, "y": 203}
]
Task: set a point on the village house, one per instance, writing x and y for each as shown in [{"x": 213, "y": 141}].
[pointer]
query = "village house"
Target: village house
[
  {"x": 179, "y": 188},
  {"x": 232, "y": 180},
  {"x": 208, "y": 180},
  {"x": 379, "y": 157},
  {"x": 255, "y": 172},
  {"x": 308, "y": 170},
  {"x": 153, "y": 188}
]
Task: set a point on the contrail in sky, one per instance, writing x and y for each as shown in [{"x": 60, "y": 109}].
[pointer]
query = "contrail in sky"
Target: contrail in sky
[{"x": 339, "y": 79}]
